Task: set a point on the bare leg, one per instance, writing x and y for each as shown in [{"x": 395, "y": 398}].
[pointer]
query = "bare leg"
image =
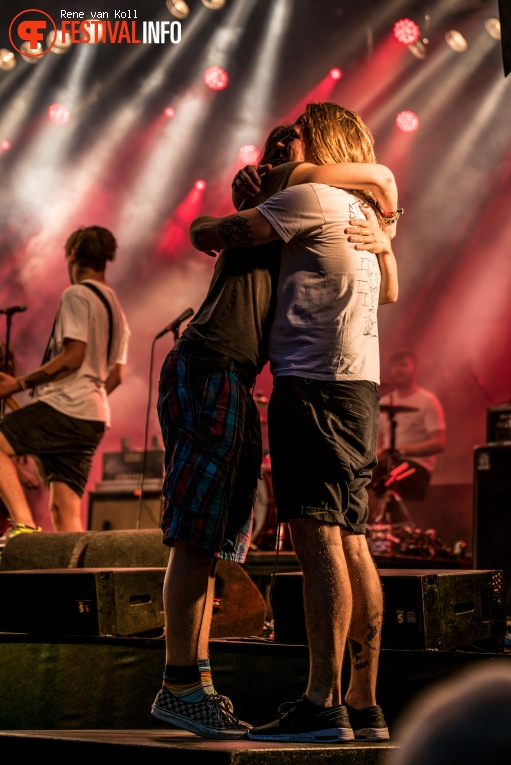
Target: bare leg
[
  {"x": 65, "y": 508},
  {"x": 327, "y": 603},
  {"x": 186, "y": 594},
  {"x": 11, "y": 490},
  {"x": 365, "y": 629}
]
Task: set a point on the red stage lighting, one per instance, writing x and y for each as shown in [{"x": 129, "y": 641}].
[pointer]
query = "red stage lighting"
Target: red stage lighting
[
  {"x": 249, "y": 154},
  {"x": 335, "y": 74},
  {"x": 58, "y": 114},
  {"x": 5, "y": 145},
  {"x": 407, "y": 121},
  {"x": 169, "y": 112},
  {"x": 201, "y": 185},
  {"x": 406, "y": 31},
  {"x": 216, "y": 78}
]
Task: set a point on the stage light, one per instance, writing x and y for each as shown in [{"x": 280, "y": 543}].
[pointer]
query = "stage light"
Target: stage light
[
  {"x": 249, "y": 154},
  {"x": 407, "y": 121},
  {"x": 178, "y": 8},
  {"x": 33, "y": 55},
  {"x": 213, "y": 5},
  {"x": 169, "y": 112},
  {"x": 418, "y": 49},
  {"x": 7, "y": 60},
  {"x": 200, "y": 185},
  {"x": 335, "y": 74},
  {"x": 406, "y": 31},
  {"x": 493, "y": 28},
  {"x": 5, "y": 145},
  {"x": 59, "y": 114},
  {"x": 62, "y": 43},
  {"x": 456, "y": 41},
  {"x": 216, "y": 78}
]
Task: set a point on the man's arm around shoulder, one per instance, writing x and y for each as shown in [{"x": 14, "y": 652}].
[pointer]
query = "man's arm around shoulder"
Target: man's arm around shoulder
[{"x": 243, "y": 229}]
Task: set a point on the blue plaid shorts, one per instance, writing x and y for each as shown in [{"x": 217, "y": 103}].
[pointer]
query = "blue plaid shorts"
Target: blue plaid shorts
[{"x": 213, "y": 452}]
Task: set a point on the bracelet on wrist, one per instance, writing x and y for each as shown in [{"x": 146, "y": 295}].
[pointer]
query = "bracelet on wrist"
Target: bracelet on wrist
[
  {"x": 21, "y": 384},
  {"x": 389, "y": 217}
]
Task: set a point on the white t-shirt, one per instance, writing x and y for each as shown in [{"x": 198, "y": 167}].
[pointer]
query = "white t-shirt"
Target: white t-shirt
[
  {"x": 325, "y": 325},
  {"x": 413, "y": 427},
  {"x": 82, "y": 316}
]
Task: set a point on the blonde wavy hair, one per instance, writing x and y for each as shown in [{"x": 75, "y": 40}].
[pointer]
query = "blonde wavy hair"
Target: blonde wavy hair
[{"x": 335, "y": 134}]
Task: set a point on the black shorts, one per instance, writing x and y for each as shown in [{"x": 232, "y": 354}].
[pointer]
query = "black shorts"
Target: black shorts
[
  {"x": 322, "y": 438},
  {"x": 65, "y": 445}
]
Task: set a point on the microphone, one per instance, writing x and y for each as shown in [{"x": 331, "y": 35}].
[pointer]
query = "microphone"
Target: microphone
[
  {"x": 175, "y": 324},
  {"x": 13, "y": 309}
]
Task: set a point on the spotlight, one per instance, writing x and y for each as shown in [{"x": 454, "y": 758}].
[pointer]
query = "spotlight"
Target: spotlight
[
  {"x": 493, "y": 28},
  {"x": 62, "y": 42},
  {"x": 216, "y": 78},
  {"x": 335, "y": 74},
  {"x": 407, "y": 121},
  {"x": 178, "y": 8},
  {"x": 200, "y": 185},
  {"x": 31, "y": 55},
  {"x": 5, "y": 145},
  {"x": 418, "y": 49},
  {"x": 169, "y": 112},
  {"x": 7, "y": 60},
  {"x": 213, "y": 5},
  {"x": 456, "y": 41},
  {"x": 249, "y": 154},
  {"x": 59, "y": 114},
  {"x": 406, "y": 31}
]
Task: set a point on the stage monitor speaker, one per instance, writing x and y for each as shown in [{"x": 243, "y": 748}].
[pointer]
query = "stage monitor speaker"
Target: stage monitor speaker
[
  {"x": 492, "y": 511},
  {"x": 109, "y": 511},
  {"x": 94, "y": 602},
  {"x": 431, "y": 610},
  {"x": 46, "y": 550}
]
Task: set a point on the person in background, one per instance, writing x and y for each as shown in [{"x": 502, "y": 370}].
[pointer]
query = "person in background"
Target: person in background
[{"x": 83, "y": 363}]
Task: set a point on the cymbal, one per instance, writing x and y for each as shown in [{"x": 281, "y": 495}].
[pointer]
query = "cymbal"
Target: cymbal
[{"x": 397, "y": 408}]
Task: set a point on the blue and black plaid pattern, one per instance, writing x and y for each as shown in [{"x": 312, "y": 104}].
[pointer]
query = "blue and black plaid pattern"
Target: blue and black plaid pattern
[
  {"x": 213, "y": 453},
  {"x": 211, "y": 718}
]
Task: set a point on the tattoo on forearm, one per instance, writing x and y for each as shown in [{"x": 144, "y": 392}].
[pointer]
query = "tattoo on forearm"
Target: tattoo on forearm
[
  {"x": 235, "y": 232},
  {"x": 41, "y": 377}
]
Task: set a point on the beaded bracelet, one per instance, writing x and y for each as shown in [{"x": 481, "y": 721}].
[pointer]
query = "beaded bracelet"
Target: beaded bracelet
[{"x": 389, "y": 217}]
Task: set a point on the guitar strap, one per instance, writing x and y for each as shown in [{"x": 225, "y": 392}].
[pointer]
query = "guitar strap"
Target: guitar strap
[{"x": 97, "y": 291}]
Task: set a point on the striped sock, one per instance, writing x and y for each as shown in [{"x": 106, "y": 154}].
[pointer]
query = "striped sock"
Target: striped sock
[
  {"x": 184, "y": 682},
  {"x": 205, "y": 674}
]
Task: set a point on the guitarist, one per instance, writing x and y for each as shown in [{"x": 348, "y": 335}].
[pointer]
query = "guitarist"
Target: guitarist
[{"x": 83, "y": 363}]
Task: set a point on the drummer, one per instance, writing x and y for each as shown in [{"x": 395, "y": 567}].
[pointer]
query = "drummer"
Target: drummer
[{"x": 419, "y": 422}]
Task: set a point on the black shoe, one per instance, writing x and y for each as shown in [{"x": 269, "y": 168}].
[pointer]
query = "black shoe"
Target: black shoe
[
  {"x": 369, "y": 723},
  {"x": 304, "y": 722}
]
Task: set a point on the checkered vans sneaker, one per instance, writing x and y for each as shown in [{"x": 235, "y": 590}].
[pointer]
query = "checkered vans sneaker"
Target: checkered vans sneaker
[
  {"x": 211, "y": 718},
  {"x": 369, "y": 723},
  {"x": 304, "y": 722}
]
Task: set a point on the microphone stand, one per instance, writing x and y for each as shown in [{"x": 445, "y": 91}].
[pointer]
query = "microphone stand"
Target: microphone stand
[{"x": 6, "y": 358}]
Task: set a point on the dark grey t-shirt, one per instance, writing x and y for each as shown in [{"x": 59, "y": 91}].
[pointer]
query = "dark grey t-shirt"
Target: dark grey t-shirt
[{"x": 236, "y": 315}]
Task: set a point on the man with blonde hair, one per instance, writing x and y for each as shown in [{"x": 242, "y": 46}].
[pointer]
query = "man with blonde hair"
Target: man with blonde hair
[{"x": 323, "y": 411}]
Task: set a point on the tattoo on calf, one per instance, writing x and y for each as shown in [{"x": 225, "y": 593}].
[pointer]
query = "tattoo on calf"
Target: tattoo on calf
[
  {"x": 356, "y": 652},
  {"x": 235, "y": 232}
]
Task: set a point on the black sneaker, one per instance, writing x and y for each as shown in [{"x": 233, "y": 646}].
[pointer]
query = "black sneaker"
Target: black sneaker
[
  {"x": 304, "y": 722},
  {"x": 211, "y": 718},
  {"x": 368, "y": 723}
]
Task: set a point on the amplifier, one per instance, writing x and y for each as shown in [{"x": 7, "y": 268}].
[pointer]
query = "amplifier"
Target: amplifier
[
  {"x": 95, "y": 601},
  {"x": 129, "y": 465},
  {"x": 431, "y": 610},
  {"x": 498, "y": 423}
]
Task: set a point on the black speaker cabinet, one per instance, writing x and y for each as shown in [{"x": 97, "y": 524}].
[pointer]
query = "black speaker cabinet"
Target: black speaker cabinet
[
  {"x": 492, "y": 511},
  {"x": 431, "y": 610},
  {"x": 111, "y": 511},
  {"x": 93, "y": 602}
]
